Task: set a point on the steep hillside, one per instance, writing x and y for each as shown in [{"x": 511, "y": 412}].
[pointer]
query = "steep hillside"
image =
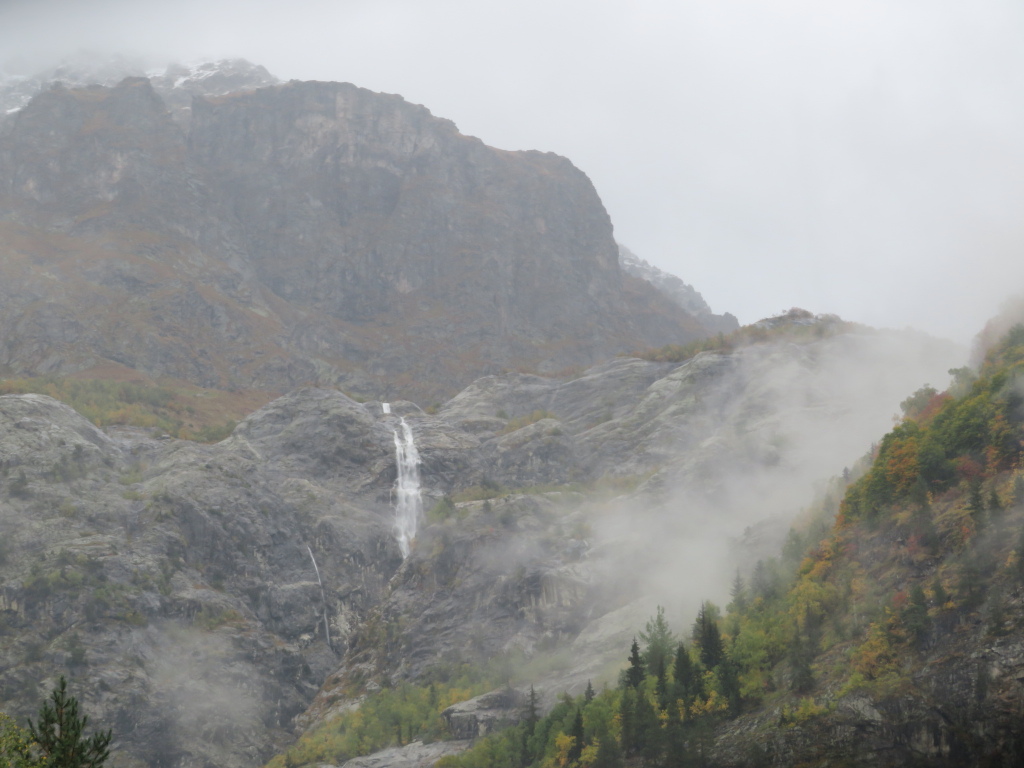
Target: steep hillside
[
  {"x": 166, "y": 577},
  {"x": 886, "y": 634},
  {"x": 908, "y": 613},
  {"x": 306, "y": 232}
]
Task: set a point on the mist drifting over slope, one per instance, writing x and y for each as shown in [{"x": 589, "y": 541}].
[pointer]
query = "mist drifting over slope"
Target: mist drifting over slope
[{"x": 739, "y": 444}]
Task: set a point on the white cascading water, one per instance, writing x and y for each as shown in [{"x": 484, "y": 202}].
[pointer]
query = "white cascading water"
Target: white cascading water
[
  {"x": 407, "y": 488},
  {"x": 323, "y": 598},
  {"x": 386, "y": 407}
]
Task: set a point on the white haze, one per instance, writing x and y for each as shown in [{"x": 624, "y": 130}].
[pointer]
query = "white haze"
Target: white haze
[
  {"x": 861, "y": 157},
  {"x": 747, "y": 451}
]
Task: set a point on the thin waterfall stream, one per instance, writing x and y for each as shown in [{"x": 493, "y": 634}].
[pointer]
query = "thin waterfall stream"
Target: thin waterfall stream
[
  {"x": 323, "y": 598},
  {"x": 408, "y": 502}
]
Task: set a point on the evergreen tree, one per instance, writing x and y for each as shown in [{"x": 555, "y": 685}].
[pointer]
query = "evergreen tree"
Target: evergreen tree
[
  {"x": 59, "y": 733},
  {"x": 765, "y": 581},
  {"x": 922, "y": 526},
  {"x": 707, "y": 637},
  {"x": 915, "y": 617},
  {"x": 647, "y": 742},
  {"x": 576, "y": 732},
  {"x": 800, "y": 656},
  {"x": 588, "y": 695},
  {"x": 675, "y": 738},
  {"x": 688, "y": 682},
  {"x": 661, "y": 685},
  {"x": 975, "y": 502},
  {"x": 658, "y": 641},
  {"x": 532, "y": 712},
  {"x": 627, "y": 720},
  {"x": 530, "y": 719},
  {"x": 729, "y": 685},
  {"x": 939, "y": 593},
  {"x": 636, "y": 673},
  {"x": 738, "y": 593},
  {"x": 608, "y": 753},
  {"x": 994, "y": 504}
]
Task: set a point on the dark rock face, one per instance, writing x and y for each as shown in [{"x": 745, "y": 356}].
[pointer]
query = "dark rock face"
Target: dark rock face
[
  {"x": 175, "y": 584},
  {"x": 302, "y": 232},
  {"x": 183, "y": 573}
]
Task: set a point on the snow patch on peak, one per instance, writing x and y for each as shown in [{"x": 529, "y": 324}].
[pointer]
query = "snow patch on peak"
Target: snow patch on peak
[{"x": 176, "y": 83}]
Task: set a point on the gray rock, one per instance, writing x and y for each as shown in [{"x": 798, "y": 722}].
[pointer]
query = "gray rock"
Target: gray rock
[
  {"x": 415, "y": 755},
  {"x": 488, "y": 713},
  {"x": 417, "y": 258}
]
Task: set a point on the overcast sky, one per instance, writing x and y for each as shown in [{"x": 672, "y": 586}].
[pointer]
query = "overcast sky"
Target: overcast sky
[{"x": 862, "y": 157}]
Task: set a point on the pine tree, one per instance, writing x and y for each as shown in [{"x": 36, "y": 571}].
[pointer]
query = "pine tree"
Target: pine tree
[
  {"x": 800, "y": 663},
  {"x": 576, "y": 732},
  {"x": 658, "y": 640},
  {"x": 675, "y": 738},
  {"x": 688, "y": 682},
  {"x": 738, "y": 593},
  {"x": 707, "y": 637},
  {"x": 588, "y": 695},
  {"x": 661, "y": 686},
  {"x": 532, "y": 712},
  {"x": 729, "y": 685},
  {"x": 975, "y": 502},
  {"x": 608, "y": 753},
  {"x": 994, "y": 504},
  {"x": 59, "y": 733},
  {"x": 636, "y": 673},
  {"x": 648, "y": 729},
  {"x": 627, "y": 720},
  {"x": 530, "y": 718},
  {"x": 915, "y": 617}
]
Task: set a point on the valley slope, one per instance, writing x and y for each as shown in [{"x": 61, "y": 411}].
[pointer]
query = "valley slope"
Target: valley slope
[{"x": 173, "y": 581}]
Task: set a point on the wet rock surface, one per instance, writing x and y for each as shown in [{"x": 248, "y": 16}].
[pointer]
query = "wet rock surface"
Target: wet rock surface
[{"x": 173, "y": 581}]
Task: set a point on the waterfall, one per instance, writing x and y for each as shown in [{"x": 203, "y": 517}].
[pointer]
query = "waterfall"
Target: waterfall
[
  {"x": 407, "y": 488},
  {"x": 385, "y": 407},
  {"x": 323, "y": 598}
]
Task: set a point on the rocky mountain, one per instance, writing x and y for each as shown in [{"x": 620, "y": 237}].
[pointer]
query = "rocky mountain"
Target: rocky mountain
[
  {"x": 177, "y": 584},
  {"x": 304, "y": 232},
  {"x": 176, "y": 83},
  {"x": 683, "y": 294}
]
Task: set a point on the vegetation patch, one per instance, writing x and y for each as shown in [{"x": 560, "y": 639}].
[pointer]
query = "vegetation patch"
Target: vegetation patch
[{"x": 185, "y": 411}]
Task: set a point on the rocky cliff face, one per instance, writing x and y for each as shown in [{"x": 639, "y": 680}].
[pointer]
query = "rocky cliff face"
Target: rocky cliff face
[
  {"x": 686, "y": 296},
  {"x": 174, "y": 582},
  {"x": 300, "y": 232}
]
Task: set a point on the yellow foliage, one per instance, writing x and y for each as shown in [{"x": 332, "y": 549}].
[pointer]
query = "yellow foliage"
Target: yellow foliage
[
  {"x": 563, "y": 743},
  {"x": 589, "y": 754},
  {"x": 875, "y": 657}
]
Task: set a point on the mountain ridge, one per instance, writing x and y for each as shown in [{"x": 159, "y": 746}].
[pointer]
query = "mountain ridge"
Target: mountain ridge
[{"x": 369, "y": 245}]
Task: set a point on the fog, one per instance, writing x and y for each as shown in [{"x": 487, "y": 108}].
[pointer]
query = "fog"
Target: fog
[
  {"x": 744, "y": 450},
  {"x": 858, "y": 157}
]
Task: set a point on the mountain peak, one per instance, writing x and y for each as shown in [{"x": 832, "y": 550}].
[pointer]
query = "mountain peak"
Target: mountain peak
[{"x": 176, "y": 82}]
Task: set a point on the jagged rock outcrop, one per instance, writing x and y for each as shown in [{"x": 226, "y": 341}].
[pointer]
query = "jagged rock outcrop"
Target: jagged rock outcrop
[
  {"x": 176, "y": 83},
  {"x": 296, "y": 233},
  {"x": 485, "y": 714},
  {"x": 686, "y": 296}
]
